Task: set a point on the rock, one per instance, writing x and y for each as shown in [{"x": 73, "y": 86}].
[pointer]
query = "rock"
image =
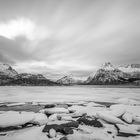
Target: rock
[
  {"x": 58, "y": 128},
  {"x": 71, "y": 124},
  {"x": 59, "y": 117},
  {"x": 49, "y": 105},
  {"x": 92, "y": 122},
  {"x": 63, "y": 138},
  {"x": 68, "y": 130},
  {"x": 52, "y": 133},
  {"x": 52, "y": 126},
  {"x": 63, "y": 128}
]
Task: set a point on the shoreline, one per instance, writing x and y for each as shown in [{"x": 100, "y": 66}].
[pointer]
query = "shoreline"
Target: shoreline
[{"x": 73, "y": 120}]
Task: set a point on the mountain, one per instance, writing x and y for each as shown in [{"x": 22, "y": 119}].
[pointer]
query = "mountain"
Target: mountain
[
  {"x": 70, "y": 80},
  {"x": 6, "y": 70},
  {"x": 7, "y": 73},
  {"x": 26, "y": 79},
  {"x": 8, "y": 76},
  {"x": 130, "y": 68},
  {"x": 108, "y": 74}
]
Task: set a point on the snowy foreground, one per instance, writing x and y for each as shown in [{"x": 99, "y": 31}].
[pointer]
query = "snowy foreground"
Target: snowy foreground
[{"x": 83, "y": 120}]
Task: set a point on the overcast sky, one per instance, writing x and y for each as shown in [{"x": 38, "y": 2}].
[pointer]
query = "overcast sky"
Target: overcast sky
[{"x": 68, "y": 35}]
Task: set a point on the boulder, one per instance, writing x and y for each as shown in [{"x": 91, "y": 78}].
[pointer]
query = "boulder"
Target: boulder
[
  {"x": 92, "y": 122},
  {"x": 49, "y": 105},
  {"x": 65, "y": 128}
]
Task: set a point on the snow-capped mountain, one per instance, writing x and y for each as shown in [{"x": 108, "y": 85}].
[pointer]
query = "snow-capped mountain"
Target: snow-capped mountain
[
  {"x": 70, "y": 79},
  {"x": 130, "y": 68},
  {"x": 7, "y": 70},
  {"x": 105, "y": 75},
  {"x": 108, "y": 74},
  {"x": 8, "y": 76},
  {"x": 108, "y": 66},
  {"x": 31, "y": 79}
]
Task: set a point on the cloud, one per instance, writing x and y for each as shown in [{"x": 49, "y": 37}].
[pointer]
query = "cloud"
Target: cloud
[
  {"x": 14, "y": 50},
  {"x": 69, "y": 36},
  {"x": 22, "y": 27},
  {"x": 17, "y": 27}
]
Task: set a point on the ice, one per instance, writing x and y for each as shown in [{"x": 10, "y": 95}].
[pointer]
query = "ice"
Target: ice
[
  {"x": 107, "y": 116},
  {"x": 13, "y": 118},
  {"x": 27, "y": 134},
  {"x": 128, "y": 129},
  {"x": 134, "y": 110},
  {"x": 54, "y": 110},
  {"x": 40, "y": 119},
  {"x": 76, "y": 108},
  {"x": 81, "y": 100},
  {"x": 127, "y": 117},
  {"x": 15, "y": 104},
  {"x": 66, "y": 94},
  {"x": 128, "y": 101}
]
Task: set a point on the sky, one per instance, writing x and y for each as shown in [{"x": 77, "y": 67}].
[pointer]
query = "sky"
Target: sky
[{"x": 68, "y": 36}]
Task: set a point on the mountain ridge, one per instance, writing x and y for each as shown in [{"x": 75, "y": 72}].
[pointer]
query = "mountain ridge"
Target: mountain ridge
[{"x": 107, "y": 74}]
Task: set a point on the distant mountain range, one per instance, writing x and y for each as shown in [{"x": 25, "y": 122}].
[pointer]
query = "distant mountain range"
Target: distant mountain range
[
  {"x": 9, "y": 76},
  {"x": 110, "y": 75},
  {"x": 107, "y": 74}
]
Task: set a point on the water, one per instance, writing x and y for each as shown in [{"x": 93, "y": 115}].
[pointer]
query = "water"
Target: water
[{"x": 66, "y": 93}]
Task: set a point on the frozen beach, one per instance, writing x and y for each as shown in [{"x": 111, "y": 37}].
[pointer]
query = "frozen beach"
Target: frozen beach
[{"x": 69, "y": 113}]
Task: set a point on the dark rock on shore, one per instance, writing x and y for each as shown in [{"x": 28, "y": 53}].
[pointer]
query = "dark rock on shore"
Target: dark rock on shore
[
  {"x": 122, "y": 134},
  {"x": 63, "y": 138},
  {"x": 91, "y": 122},
  {"x": 49, "y": 106},
  {"x": 65, "y": 128}
]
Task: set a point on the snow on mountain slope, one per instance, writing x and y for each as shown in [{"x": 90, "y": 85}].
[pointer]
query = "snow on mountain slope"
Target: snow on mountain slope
[
  {"x": 130, "y": 68},
  {"x": 70, "y": 79},
  {"x": 7, "y": 70},
  {"x": 107, "y": 74},
  {"x": 108, "y": 66}
]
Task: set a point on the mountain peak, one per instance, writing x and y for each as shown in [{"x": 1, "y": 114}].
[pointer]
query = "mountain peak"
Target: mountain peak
[
  {"x": 108, "y": 66},
  {"x": 5, "y": 69}
]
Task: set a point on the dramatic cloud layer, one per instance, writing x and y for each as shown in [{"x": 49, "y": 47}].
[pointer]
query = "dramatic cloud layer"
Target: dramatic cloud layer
[{"x": 68, "y": 35}]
